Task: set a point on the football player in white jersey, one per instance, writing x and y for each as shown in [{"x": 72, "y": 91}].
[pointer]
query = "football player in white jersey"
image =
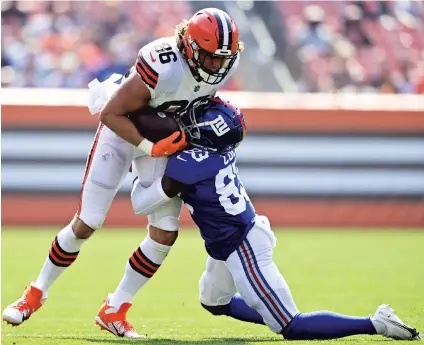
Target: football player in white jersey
[{"x": 170, "y": 74}]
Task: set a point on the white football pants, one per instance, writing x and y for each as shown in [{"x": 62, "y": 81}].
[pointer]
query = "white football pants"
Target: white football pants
[
  {"x": 107, "y": 166},
  {"x": 251, "y": 271}
]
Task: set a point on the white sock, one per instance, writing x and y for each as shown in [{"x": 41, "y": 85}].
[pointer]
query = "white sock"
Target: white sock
[
  {"x": 141, "y": 266},
  {"x": 63, "y": 253}
]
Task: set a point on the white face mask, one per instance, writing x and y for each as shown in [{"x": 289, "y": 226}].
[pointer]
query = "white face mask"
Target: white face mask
[{"x": 212, "y": 68}]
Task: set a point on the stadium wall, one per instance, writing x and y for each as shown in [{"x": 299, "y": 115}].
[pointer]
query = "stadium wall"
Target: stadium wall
[{"x": 308, "y": 160}]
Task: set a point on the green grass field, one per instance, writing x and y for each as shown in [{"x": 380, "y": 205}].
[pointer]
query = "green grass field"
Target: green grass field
[{"x": 345, "y": 271}]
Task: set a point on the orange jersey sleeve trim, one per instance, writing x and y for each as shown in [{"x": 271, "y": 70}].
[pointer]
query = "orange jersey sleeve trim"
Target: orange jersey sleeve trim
[{"x": 146, "y": 72}]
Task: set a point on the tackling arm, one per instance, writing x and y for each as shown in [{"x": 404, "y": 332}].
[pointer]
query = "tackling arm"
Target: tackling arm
[{"x": 146, "y": 200}]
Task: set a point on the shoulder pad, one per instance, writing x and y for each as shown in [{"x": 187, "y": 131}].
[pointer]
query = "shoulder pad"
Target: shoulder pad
[
  {"x": 157, "y": 62},
  {"x": 190, "y": 166}
]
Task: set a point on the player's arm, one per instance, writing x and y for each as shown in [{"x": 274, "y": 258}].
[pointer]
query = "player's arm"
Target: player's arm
[
  {"x": 132, "y": 95},
  {"x": 146, "y": 200}
]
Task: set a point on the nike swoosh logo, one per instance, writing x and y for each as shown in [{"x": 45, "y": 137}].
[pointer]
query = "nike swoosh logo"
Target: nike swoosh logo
[
  {"x": 181, "y": 159},
  {"x": 151, "y": 56},
  {"x": 117, "y": 332},
  {"x": 405, "y": 327}
]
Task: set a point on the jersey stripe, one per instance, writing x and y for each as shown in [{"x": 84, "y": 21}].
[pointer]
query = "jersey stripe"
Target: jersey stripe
[
  {"x": 266, "y": 294},
  {"x": 256, "y": 288},
  {"x": 144, "y": 76},
  {"x": 88, "y": 165},
  {"x": 262, "y": 278},
  {"x": 147, "y": 73}
]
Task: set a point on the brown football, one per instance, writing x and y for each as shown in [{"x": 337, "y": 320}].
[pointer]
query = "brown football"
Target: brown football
[{"x": 152, "y": 125}]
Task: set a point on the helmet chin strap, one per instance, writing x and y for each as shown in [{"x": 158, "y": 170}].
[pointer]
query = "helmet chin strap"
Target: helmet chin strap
[
  {"x": 210, "y": 78},
  {"x": 198, "y": 73},
  {"x": 194, "y": 71},
  {"x": 205, "y": 147}
]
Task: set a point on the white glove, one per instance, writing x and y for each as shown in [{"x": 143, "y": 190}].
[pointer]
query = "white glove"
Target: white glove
[{"x": 99, "y": 93}]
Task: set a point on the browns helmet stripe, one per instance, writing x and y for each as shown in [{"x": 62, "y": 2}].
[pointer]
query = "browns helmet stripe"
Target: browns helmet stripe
[
  {"x": 220, "y": 29},
  {"x": 227, "y": 29},
  {"x": 230, "y": 32}
]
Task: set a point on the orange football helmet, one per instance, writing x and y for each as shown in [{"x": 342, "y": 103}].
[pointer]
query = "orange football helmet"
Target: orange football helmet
[{"x": 211, "y": 42}]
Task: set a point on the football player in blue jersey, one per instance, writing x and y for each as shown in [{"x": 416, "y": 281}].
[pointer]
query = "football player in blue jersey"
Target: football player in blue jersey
[{"x": 241, "y": 279}]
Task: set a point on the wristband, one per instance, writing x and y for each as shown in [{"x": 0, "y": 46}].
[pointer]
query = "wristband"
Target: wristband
[{"x": 146, "y": 146}]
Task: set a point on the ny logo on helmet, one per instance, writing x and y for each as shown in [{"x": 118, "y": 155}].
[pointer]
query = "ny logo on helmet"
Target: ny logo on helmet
[{"x": 219, "y": 126}]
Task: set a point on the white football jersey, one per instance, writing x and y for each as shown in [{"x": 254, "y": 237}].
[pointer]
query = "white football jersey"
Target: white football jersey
[{"x": 172, "y": 86}]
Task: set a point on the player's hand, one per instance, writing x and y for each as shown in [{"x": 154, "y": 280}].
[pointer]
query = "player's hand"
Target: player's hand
[{"x": 169, "y": 146}]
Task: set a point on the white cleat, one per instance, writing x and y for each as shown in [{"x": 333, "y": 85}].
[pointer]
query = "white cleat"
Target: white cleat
[
  {"x": 388, "y": 324},
  {"x": 21, "y": 310}
]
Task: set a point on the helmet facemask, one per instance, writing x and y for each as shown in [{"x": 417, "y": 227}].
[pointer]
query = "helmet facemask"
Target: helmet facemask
[
  {"x": 189, "y": 124},
  {"x": 203, "y": 133},
  {"x": 211, "y": 67}
]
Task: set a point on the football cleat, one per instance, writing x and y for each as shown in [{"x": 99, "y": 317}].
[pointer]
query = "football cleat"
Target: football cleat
[
  {"x": 393, "y": 326},
  {"x": 115, "y": 321},
  {"x": 22, "y": 309}
]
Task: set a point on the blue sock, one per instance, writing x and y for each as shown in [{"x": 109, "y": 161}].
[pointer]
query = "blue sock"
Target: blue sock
[
  {"x": 326, "y": 325},
  {"x": 238, "y": 309}
]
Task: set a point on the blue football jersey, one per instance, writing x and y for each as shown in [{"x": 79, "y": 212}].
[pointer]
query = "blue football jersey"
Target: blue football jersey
[{"x": 216, "y": 198}]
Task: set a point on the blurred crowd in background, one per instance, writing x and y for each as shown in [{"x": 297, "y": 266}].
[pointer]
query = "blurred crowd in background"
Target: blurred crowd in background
[
  {"x": 359, "y": 45},
  {"x": 341, "y": 46},
  {"x": 68, "y": 43}
]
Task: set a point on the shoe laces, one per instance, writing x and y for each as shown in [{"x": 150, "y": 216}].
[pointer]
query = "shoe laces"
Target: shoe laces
[{"x": 22, "y": 306}]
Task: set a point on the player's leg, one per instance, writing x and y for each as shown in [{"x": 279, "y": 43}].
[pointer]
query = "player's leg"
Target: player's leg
[
  {"x": 264, "y": 289},
  {"x": 149, "y": 255},
  {"x": 258, "y": 280},
  {"x": 162, "y": 233},
  {"x": 217, "y": 294},
  {"x": 107, "y": 166}
]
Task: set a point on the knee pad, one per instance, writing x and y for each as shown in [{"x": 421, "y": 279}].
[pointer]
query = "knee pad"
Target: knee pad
[
  {"x": 93, "y": 219},
  {"x": 215, "y": 309},
  {"x": 110, "y": 165},
  {"x": 167, "y": 217},
  {"x": 95, "y": 204},
  {"x": 211, "y": 294}
]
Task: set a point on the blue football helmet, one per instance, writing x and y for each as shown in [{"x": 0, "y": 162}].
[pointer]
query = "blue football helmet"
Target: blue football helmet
[{"x": 215, "y": 125}]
